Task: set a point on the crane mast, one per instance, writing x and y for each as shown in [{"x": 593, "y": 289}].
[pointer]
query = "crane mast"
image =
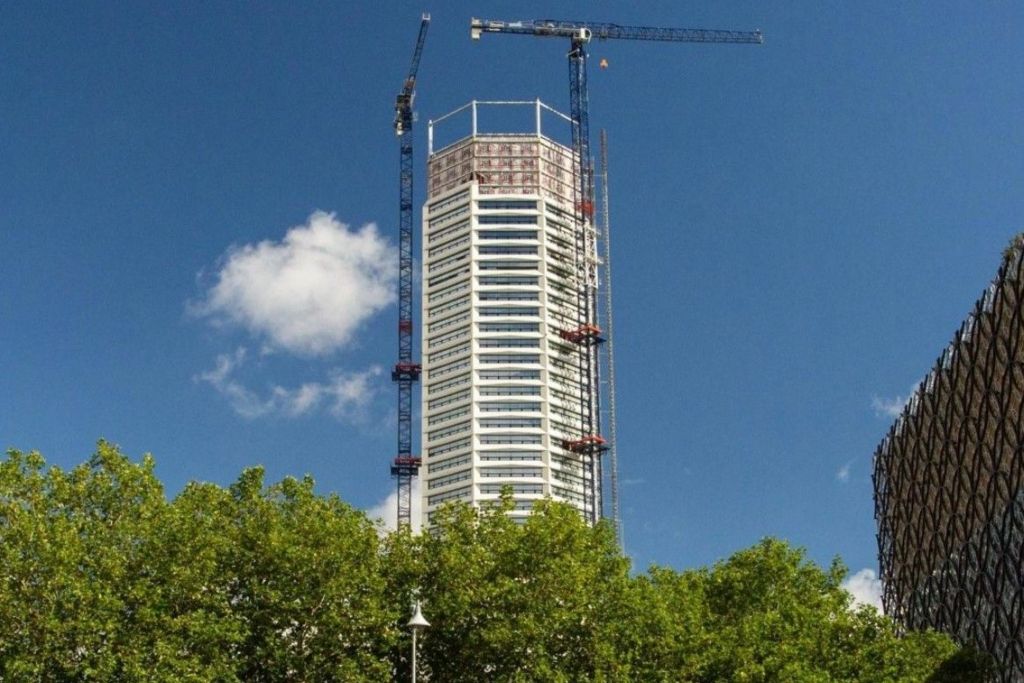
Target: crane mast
[
  {"x": 590, "y": 444},
  {"x": 406, "y": 372},
  {"x": 609, "y": 349}
]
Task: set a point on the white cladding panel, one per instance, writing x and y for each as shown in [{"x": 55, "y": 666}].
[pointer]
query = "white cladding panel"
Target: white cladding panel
[{"x": 501, "y": 387}]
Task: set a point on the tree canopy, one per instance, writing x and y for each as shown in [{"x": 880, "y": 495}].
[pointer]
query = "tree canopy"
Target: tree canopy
[{"x": 103, "y": 578}]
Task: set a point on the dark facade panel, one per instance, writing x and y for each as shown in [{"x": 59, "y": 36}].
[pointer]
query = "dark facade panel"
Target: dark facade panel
[{"x": 949, "y": 485}]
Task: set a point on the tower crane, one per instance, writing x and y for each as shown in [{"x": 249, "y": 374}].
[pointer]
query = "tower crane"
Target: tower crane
[
  {"x": 590, "y": 443},
  {"x": 406, "y": 465}
]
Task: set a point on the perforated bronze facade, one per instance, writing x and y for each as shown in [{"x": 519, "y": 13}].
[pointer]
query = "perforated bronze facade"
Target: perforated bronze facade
[{"x": 949, "y": 500}]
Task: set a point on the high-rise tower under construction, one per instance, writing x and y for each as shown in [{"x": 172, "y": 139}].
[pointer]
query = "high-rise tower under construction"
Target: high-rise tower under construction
[{"x": 509, "y": 346}]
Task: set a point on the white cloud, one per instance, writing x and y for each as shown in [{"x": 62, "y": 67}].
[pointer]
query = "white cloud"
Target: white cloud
[
  {"x": 387, "y": 510},
  {"x": 891, "y": 407},
  {"x": 844, "y": 472},
  {"x": 344, "y": 395},
  {"x": 865, "y": 587},
  {"x": 888, "y": 407},
  {"x": 308, "y": 293}
]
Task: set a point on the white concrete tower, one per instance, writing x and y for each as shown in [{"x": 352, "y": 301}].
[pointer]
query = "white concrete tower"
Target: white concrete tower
[{"x": 502, "y": 391}]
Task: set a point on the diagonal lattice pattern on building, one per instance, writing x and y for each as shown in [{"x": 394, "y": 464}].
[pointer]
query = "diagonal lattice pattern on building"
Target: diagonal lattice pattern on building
[{"x": 949, "y": 485}]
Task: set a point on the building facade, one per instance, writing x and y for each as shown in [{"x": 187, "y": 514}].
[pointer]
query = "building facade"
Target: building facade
[
  {"x": 949, "y": 485},
  {"x": 505, "y": 392}
]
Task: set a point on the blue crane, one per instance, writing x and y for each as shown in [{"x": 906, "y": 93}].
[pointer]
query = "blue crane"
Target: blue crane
[
  {"x": 406, "y": 465},
  {"x": 590, "y": 444}
]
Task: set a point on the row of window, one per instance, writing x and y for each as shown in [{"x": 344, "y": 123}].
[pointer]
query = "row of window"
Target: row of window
[
  {"x": 438, "y": 387},
  {"x": 438, "y": 220},
  {"x": 448, "y": 262},
  {"x": 503, "y": 358},
  {"x": 438, "y": 451},
  {"x": 507, "y": 373},
  {"x": 513, "y": 204},
  {"x": 449, "y": 399},
  {"x": 510, "y": 390},
  {"x": 509, "y": 422},
  {"x": 449, "y": 353},
  {"x": 447, "y": 369},
  {"x": 443, "y": 339},
  {"x": 507, "y": 234},
  {"x": 441, "y": 309},
  {"x": 449, "y": 479},
  {"x": 509, "y": 280},
  {"x": 507, "y": 219},
  {"x": 448, "y": 202},
  {"x": 448, "y": 277},
  {"x": 511, "y": 456},
  {"x": 446, "y": 233},
  {"x": 448, "y": 415},
  {"x": 449, "y": 431},
  {"x": 487, "y": 473},
  {"x": 511, "y": 472},
  {"x": 447, "y": 247},
  {"x": 451, "y": 290},
  {"x": 567, "y": 477},
  {"x": 516, "y": 488},
  {"x": 570, "y": 472},
  {"x": 509, "y": 343},
  {"x": 508, "y": 265},
  {"x": 457, "y": 494},
  {"x": 509, "y": 407},
  {"x": 500, "y": 423},
  {"x": 494, "y": 311},
  {"x": 508, "y": 327},
  {"x": 511, "y": 439},
  {"x": 447, "y": 322},
  {"x": 568, "y": 495},
  {"x": 512, "y": 250},
  {"x": 448, "y": 463},
  {"x": 507, "y": 295}
]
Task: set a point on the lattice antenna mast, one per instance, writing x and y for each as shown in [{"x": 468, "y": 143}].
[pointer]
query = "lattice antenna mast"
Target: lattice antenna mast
[
  {"x": 609, "y": 348},
  {"x": 406, "y": 465},
  {"x": 590, "y": 444}
]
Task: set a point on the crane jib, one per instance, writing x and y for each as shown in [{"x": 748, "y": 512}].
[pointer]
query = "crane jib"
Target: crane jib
[{"x": 582, "y": 31}]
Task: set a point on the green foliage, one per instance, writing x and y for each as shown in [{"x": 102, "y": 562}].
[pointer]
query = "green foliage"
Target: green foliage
[{"x": 103, "y": 579}]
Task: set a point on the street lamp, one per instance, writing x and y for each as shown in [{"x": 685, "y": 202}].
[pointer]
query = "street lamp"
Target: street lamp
[{"x": 417, "y": 623}]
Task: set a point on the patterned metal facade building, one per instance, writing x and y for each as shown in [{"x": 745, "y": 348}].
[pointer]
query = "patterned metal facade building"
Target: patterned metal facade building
[{"x": 949, "y": 500}]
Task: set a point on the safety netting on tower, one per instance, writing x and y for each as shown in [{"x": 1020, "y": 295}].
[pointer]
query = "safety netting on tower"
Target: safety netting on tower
[{"x": 949, "y": 500}]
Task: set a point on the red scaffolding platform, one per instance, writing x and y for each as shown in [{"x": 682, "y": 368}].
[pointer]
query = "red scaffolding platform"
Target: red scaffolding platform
[
  {"x": 588, "y": 444},
  {"x": 584, "y": 334}
]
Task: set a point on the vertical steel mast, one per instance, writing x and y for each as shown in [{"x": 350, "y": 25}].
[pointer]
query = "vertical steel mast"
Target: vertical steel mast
[
  {"x": 609, "y": 347},
  {"x": 590, "y": 444},
  {"x": 406, "y": 465}
]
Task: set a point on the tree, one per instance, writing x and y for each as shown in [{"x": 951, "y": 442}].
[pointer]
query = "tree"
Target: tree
[
  {"x": 103, "y": 579},
  {"x": 515, "y": 602},
  {"x": 305, "y": 580},
  {"x": 552, "y": 600}
]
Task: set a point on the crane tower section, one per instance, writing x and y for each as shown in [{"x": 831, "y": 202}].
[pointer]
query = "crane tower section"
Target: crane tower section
[{"x": 406, "y": 372}]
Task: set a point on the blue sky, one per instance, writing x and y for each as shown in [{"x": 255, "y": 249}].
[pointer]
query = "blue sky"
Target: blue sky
[{"x": 798, "y": 230}]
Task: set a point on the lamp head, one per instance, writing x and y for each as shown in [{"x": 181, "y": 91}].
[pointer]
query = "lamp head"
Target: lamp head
[{"x": 418, "y": 621}]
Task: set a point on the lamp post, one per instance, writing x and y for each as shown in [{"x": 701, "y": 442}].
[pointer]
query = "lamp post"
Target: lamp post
[{"x": 415, "y": 624}]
